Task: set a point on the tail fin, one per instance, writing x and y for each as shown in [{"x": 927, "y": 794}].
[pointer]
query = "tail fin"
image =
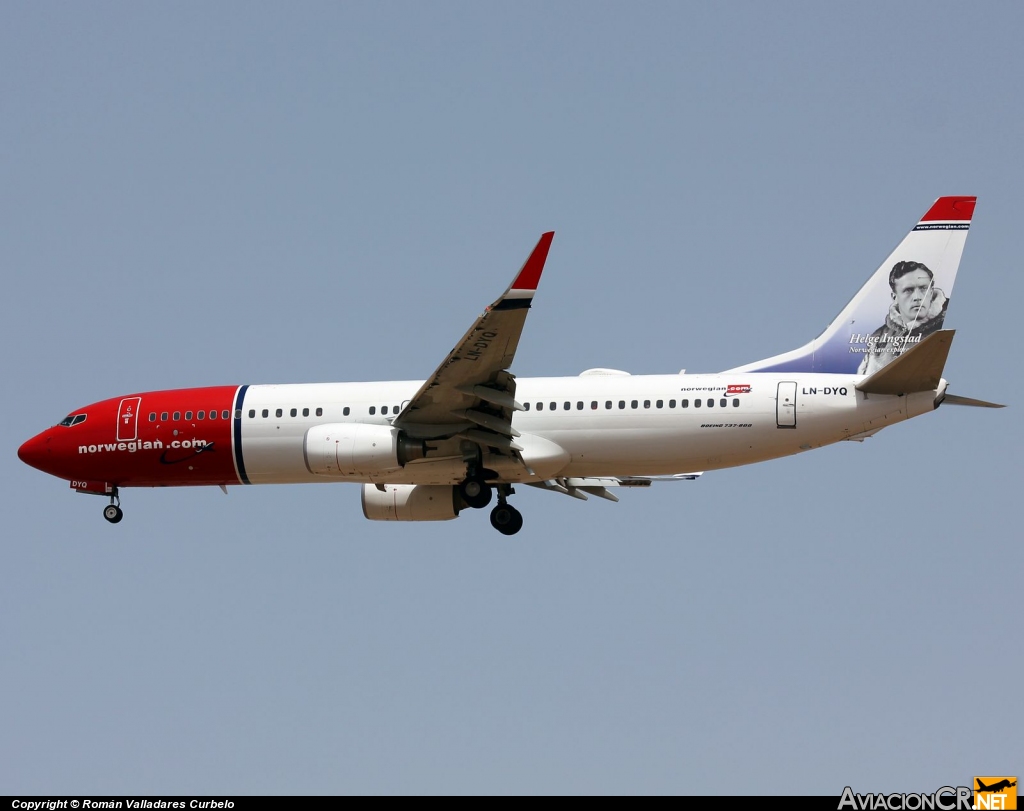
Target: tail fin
[{"x": 903, "y": 302}]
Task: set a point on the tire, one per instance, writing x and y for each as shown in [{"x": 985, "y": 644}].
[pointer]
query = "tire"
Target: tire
[
  {"x": 475, "y": 492},
  {"x": 113, "y": 513},
  {"x": 506, "y": 519},
  {"x": 517, "y": 522}
]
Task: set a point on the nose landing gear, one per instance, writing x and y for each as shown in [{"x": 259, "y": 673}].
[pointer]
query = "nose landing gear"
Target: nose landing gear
[{"x": 112, "y": 512}]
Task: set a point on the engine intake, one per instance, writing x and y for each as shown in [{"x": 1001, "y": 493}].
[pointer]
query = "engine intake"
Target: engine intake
[
  {"x": 410, "y": 502},
  {"x": 352, "y": 449}
]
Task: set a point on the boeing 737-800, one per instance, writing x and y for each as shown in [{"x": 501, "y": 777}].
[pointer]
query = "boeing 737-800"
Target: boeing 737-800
[{"x": 424, "y": 450}]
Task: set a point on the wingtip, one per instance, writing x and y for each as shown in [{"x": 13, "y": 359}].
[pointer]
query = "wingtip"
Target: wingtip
[{"x": 529, "y": 276}]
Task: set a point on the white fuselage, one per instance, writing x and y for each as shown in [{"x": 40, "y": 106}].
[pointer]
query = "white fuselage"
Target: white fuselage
[{"x": 592, "y": 425}]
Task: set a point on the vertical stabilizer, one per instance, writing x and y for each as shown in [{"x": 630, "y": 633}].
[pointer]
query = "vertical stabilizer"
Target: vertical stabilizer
[{"x": 903, "y": 302}]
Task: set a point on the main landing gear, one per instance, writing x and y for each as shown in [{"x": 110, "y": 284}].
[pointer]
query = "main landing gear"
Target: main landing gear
[
  {"x": 505, "y": 518},
  {"x": 476, "y": 493},
  {"x": 112, "y": 512}
]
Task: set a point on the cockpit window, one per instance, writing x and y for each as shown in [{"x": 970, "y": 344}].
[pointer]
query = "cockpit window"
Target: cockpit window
[{"x": 73, "y": 419}]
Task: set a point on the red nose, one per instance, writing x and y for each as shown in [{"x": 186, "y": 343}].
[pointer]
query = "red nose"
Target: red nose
[{"x": 36, "y": 452}]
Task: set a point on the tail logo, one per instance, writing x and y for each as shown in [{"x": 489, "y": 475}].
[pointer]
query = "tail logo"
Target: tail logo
[
  {"x": 918, "y": 309},
  {"x": 995, "y": 793}
]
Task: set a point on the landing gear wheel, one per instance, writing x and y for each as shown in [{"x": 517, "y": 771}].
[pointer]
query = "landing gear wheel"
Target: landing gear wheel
[
  {"x": 506, "y": 519},
  {"x": 475, "y": 492},
  {"x": 113, "y": 513}
]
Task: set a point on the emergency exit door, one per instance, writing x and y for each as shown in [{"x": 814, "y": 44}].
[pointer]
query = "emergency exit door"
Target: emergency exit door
[
  {"x": 785, "y": 406},
  {"x": 128, "y": 419}
]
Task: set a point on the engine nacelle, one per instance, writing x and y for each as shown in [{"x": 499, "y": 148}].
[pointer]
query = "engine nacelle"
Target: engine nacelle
[
  {"x": 410, "y": 502},
  {"x": 352, "y": 449}
]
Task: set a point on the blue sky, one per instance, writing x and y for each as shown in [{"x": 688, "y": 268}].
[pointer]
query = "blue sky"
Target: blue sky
[{"x": 196, "y": 194}]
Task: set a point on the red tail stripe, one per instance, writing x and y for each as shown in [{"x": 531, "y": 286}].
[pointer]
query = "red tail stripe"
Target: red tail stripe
[{"x": 951, "y": 208}]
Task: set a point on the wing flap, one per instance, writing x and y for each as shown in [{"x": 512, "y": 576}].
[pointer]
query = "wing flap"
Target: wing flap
[{"x": 580, "y": 486}]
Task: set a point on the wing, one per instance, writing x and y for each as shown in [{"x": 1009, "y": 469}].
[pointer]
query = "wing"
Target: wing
[{"x": 472, "y": 393}]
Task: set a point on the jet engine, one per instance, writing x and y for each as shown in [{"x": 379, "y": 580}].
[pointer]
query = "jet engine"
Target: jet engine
[
  {"x": 410, "y": 502},
  {"x": 351, "y": 449}
]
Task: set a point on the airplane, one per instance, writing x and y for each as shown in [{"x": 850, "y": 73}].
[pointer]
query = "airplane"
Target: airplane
[
  {"x": 995, "y": 787},
  {"x": 427, "y": 450}
]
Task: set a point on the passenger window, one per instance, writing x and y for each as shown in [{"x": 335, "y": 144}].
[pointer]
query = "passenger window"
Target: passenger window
[
  {"x": 278, "y": 413},
  {"x": 684, "y": 403},
  {"x": 593, "y": 405},
  {"x": 660, "y": 403},
  {"x": 647, "y": 403},
  {"x": 526, "y": 406},
  {"x": 671, "y": 403},
  {"x": 294, "y": 412},
  {"x": 736, "y": 403},
  {"x": 252, "y": 413},
  {"x": 553, "y": 406},
  {"x": 373, "y": 410},
  {"x": 622, "y": 403},
  {"x": 152, "y": 416},
  {"x": 163, "y": 417},
  {"x": 579, "y": 405},
  {"x": 634, "y": 404},
  {"x": 383, "y": 409},
  {"x": 607, "y": 403},
  {"x": 345, "y": 411},
  {"x": 540, "y": 406},
  {"x": 319, "y": 412},
  {"x": 201, "y": 415},
  {"x": 696, "y": 403},
  {"x": 711, "y": 403},
  {"x": 723, "y": 402},
  {"x": 394, "y": 409},
  {"x": 305, "y": 412},
  {"x": 213, "y": 415},
  {"x": 177, "y": 416},
  {"x": 188, "y": 416},
  {"x": 226, "y": 414},
  {"x": 265, "y": 413}
]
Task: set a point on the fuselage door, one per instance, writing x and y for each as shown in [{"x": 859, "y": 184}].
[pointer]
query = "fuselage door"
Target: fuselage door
[
  {"x": 785, "y": 406},
  {"x": 128, "y": 419}
]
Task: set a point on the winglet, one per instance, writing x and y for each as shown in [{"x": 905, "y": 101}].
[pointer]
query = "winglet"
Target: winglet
[
  {"x": 529, "y": 276},
  {"x": 917, "y": 369}
]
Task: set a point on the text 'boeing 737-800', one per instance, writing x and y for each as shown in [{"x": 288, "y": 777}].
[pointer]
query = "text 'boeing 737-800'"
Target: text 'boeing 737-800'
[{"x": 425, "y": 450}]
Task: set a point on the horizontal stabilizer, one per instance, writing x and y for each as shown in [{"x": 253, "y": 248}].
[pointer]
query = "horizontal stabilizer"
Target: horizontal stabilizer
[
  {"x": 953, "y": 399},
  {"x": 917, "y": 369}
]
